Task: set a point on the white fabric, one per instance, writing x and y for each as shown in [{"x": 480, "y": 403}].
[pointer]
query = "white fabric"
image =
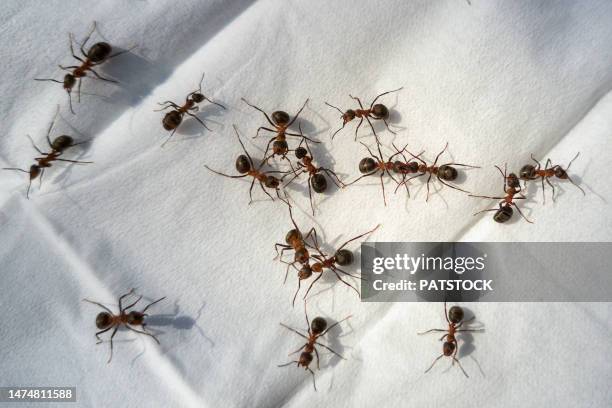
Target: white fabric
[{"x": 498, "y": 80}]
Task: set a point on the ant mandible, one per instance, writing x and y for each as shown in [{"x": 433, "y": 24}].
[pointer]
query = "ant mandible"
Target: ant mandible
[
  {"x": 316, "y": 180},
  {"x": 108, "y": 320},
  {"x": 444, "y": 172},
  {"x": 454, "y": 317},
  {"x": 245, "y": 166},
  {"x": 99, "y": 53},
  {"x": 281, "y": 121},
  {"x": 174, "y": 118},
  {"x": 57, "y": 146},
  {"x": 512, "y": 187},
  {"x": 530, "y": 172},
  {"x": 376, "y": 111},
  {"x": 342, "y": 257},
  {"x": 368, "y": 166},
  {"x": 316, "y": 330}
]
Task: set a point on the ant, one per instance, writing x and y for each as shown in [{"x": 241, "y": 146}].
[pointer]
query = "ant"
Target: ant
[
  {"x": 530, "y": 172},
  {"x": 58, "y": 146},
  {"x": 174, "y": 118},
  {"x": 342, "y": 257},
  {"x": 245, "y": 166},
  {"x": 376, "y": 111},
  {"x": 444, "y": 172},
  {"x": 368, "y": 166},
  {"x": 99, "y": 53},
  {"x": 281, "y": 121},
  {"x": 512, "y": 187},
  {"x": 454, "y": 317},
  {"x": 108, "y": 320},
  {"x": 317, "y": 329},
  {"x": 316, "y": 180}
]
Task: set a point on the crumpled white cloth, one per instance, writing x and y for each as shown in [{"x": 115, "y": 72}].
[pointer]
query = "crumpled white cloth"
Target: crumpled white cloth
[{"x": 497, "y": 80}]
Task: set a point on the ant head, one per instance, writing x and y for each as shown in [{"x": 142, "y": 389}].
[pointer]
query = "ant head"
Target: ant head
[
  {"x": 344, "y": 257},
  {"x": 197, "y": 97},
  {"x": 34, "y": 171},
  {"x": 281, "y": 118},
  {"x": 305, "y": 359},
  {"x": 318, "y": 183},
  {"x": 527, "y": 172},
  {"x": 280, "y": 147},
  {"x": 135, "y": 318},
  {"x": 301, "y": 152},
  {"x": 305, "y": 272},
  {"x": 172, "y": 119},
  {"x": 503, "y": 214},
  {"x": 349, "y": 115},
  {"x": 367, "y": 165},
  {"x": 446, "y": 172},
  {"x": 61, "y": 142},
  {"x": 380, "y": 111},
  {"x": 512, "y": 181},
  {"x": 292, "y": 236},
  {"x": 318, "y": 325},
  {"x": 271, "y": 182},
  {"x": 560, "y": 172},
  {"x": 69, "y": 82},
  {"x": 448, "y": 348},
  {"x": 103, "y": 320},
  {"x": 455, "y": 314},
  {"x": 99, "y": 52},
  {"x": 243, "y": 165}
]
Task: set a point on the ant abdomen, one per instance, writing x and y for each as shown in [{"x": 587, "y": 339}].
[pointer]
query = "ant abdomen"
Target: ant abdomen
[
  {"x": 34, "y": 171},
  {"x": 446, "y": 172},
  {"x": 455, "y": 314},
  {"x": 99, "y": 52},
  {"x": 318, "y": 325},
  {"x": 300, "y": 152},
  {"x": 527, "y": 172},
  {"x": 280, "y": 117},
  {"x": 172, "y": 120},
  {"x": 319, "y": 183},
  {"x": 380, "y": 111},
  {"x": 367, "y": 165},
  {"x": 243, "y": 165},
  {"x": 344, "y": 257},
  {"x": 62, "y": 142},
  {"x": 103, "y": 320},
  {"x": 503, "y": 214}
]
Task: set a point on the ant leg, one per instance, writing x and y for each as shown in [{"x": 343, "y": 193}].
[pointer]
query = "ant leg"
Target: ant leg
[
  {"x": 460, "y": 366},
  {"x": 49, "y": 79},
  {"x": 226, "y": 175},
  {"x": 296, "y": 291},
  {"x": 70, "y": 101},
  {"x": 465, "y": 321},
  {"x": 133, "y": 304},
  {"x": 312, "y": 284},
  {"x": 388, "y": 128},
  {"x": 70, "y": 39},
  {"x": 266, "y": 191},
  {"x": 450, "y": 185},
  {"x": 335, "y": 107},
  {"x": 330, "y": 327},
  {"x": 521, "y": 213},
  {"x": 34, "y": 144},
  {"x": 341, "y": 127},
  {"x": 251, "y": 191},
  {"x": 383, "y": 94},
  {"x": 215, "y": 103},
  {"x": 373, "y": 131},
  {"x": 100, "y": 332},
  {"x": 131, "y": 292},
  {"x": 435, "y": 361},
  {"x": 432, "y": 330},
  {"x": 552, "y": 187},
  {"x": 317, "y": 355},
  {"x": 331, "y": 173},
  {"x": 330, "y": 349},
  {"x": 199, "y": 120},
  {"x": 166, "y": 105},
  {"x": 261, "y": 110},
  {"x": 543, "y": 194},
  {"x": 15, "y": 168},
  {"x": 143, "y": 332},
  {"x": 281, "y": 198},
  {"x": 111, "y": 344},
  {"x": 118, "y": 53},
  {"x": 79, "y": 91},
  {"x": 40, "y": 179},
  {"x": 345, "y": 282},
  {"x": 243, "y": 148},
  {"x": 285, "y": 248},
  {"x": 28, "y": 190},
  {"x": 357, "y": 128},
  {"x": 68, "y": 68},
  {"x": 266, "y": 129},
  {"x": 294, "y": 330},
  {"x": 298, "y": 113},
  {"x": 298, "y": 350},
  {"x": 572, "y": 181},
  {"x": 51, "y": 125},
  {"x": 307, "y": 320},
  {"x": 98, "y": 304},
  {"x": 357, "y": 237},
  {"x": 310, "y": 195},
  {"x": 102, "y": 78},
  {"x": 93, "y": 28},
  {"x": 267, "y": 148},
  {"x": 289, "y": 363},
  {"x": 314, "y": 384},
  {"x": 446, "y": 313},
  {"x": 75, "y": 161}
]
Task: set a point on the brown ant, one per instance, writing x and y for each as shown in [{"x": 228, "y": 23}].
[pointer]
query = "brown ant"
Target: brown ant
[
  {"x": 512, "y": 187},
  {"x": 174, "y": 118},
  {"x": 245, "y": 166},
  {"x": 376, "y": 111},
  {"x": 58, "y": 146},
  {"x": 444, "y": 172},
  {"x": 368, "y": 166},
  {"x": 316, "y": 180},
  {"x": 108, "y": 320},
  {"x": 317, "y": 329},
  {"x": 454, "y": 317},
  {"x": 342, "y": 257},
  {"x": 98, "y": 53},
  {"x": 530, "y": 172},
  {"x": 281, "y": 121}
]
